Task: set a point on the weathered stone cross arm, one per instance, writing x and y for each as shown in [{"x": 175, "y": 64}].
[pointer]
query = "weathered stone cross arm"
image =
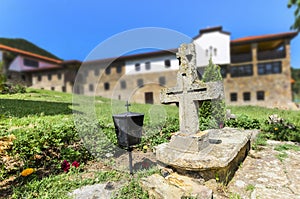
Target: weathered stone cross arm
[{"x": 207, "y": 91}]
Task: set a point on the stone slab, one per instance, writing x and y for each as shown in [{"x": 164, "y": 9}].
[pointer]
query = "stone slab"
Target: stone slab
[
  {"x": 227, "y": 148},
  {"x": 174, "y": 186}
]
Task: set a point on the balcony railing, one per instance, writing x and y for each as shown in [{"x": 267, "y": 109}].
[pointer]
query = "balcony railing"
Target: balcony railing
[
  {"x": 276, "y": 54},
  {"x": 238, "y": 58}
]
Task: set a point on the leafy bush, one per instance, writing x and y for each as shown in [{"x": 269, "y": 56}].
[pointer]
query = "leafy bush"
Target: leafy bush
[
  {"x": 243, "y": 122},
  {"x": 11, "y": 89},
  {"x": 47, "y": 145},
  {"x": 282, "y": 131}
]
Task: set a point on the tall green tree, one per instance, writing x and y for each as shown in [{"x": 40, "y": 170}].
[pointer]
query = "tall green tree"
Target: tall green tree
[
  {"x": 295, "y": 4},
  {"x": 212, "y": 112}
]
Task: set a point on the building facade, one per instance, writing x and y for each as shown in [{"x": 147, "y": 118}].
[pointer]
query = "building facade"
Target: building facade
[{"x": 255, "y": 70}]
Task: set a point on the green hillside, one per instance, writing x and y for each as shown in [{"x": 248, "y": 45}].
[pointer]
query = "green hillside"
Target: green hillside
[{"x": 23, "y": 44}]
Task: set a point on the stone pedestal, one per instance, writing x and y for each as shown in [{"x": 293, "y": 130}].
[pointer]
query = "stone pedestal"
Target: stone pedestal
[{"x": 219, "y": 156}]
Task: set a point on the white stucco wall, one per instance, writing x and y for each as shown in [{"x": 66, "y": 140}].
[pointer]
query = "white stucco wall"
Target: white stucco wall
[
  {"x": 157, "y": 64},
  {"x": 206, "y": 45}
]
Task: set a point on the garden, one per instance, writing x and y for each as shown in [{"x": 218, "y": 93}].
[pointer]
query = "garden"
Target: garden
[{"x": 44, "y": 154}]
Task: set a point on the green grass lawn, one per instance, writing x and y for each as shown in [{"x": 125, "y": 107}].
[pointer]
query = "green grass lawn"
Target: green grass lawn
[{"x": 42, "y": 123}]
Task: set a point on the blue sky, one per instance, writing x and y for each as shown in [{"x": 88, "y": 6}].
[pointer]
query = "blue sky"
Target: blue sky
[{"x": 72, "y": 29}]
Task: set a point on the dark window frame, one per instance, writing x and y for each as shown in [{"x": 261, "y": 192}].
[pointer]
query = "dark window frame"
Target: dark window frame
[
  {"x": 137, "y": 67},
  {"x": 91, "y": 87},
  {"x": 269, "y": 68},
  {"x": 241, "y": 71},
  {"x": 167, "y": 63},
  {"x": 140, "y": 82},
  {"x": 233, "y": 97},
  {"x": 30, "y": 63},
  {"x": 162, "y": 80},
  {"x": 247, "y": 96},
  {"x": 119, "y": 69},
  {"x": 106, "y": 86},
  {"x": 97, "y": 72},
  {"x": 260, "y": 95},
  {"x": 123, "y": 84},
  {"x": 148, "y": 65},
  {"x": 108, "y": 70},
  {"x": 49, "y": 76}
]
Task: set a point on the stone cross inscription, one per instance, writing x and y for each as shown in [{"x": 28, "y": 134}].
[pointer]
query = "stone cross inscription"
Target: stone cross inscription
[{"x": 190, "y": 90}]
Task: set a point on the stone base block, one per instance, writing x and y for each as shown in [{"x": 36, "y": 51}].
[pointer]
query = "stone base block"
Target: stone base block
[
  {"x": 189, "y": 143},
  {"x": 226, "y": 149},
  {"x": 174, "y": 186}
]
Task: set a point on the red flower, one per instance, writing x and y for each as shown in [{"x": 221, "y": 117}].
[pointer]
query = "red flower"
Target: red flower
[
  {"x": 75, "y": 164},
  {"x": 65, "y": 166}
]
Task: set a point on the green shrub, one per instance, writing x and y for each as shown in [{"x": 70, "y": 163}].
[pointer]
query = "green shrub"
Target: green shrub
[
  {"x": 47, "y": 145},
  {"x": 244, "y": 122},
  {"x": 11, "y": 89},
  {"x": 282, "y": 132}
]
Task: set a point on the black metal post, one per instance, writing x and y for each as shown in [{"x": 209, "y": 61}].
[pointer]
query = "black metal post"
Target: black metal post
[{"x": 130, "y": 160}]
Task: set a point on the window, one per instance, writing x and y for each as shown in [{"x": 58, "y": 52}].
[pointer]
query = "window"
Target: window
[
  {"x": 39, "y": 78},
  {"x": 140, "y": 82},
  {"x": 260, "y": 95},
  {"x": 247, "y": 96},
  {"x": 49, "y": 77},
  {"x": 149, "y": 98},
  {"x": 107, "y": 70},
  {"x": 31, "y": 63},
  {"x": 59, "y": 76},
  {"x": 123, "y": 84},
  {"x": 148, "y": 65},
  {"x": 241, "y": 71},
  {"x": 106, "y": 86},
  {"x": 167, "y": 63},
  {"x": 137, "y": 67},
  {"x": 162, "y": 81},
  {"x": 223, "y": 71},
  {"x": 119, "y": 69},
  {"x": 215, "y": 51},
  {"x": 52, "y": 88},
  {"x": 23, "y": 77},
  {"x": 96, "y": 72},
  {"x": 91, "y": 87},
  {"x": 63, "y": 88},
  {"x": 233, "y": 97},
  {"x": 269, "y": 68}
]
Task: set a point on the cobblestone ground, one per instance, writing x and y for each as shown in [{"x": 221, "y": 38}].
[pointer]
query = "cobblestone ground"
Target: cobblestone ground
[{"x": 268, "y": 173}]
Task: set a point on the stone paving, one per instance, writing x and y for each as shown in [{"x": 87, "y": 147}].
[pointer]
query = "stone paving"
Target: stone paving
[
  {"x": 268, "y": 174},
  {"x": 262, "y": 175}
]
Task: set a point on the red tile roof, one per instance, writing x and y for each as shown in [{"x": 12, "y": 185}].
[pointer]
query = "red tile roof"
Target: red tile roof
[
  {"x": 3, "y": 47},
  {"x": 264, "y": 37}
]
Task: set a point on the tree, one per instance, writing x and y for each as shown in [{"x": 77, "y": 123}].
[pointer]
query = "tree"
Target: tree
[
  {"x": 295, "y": 3},
  {"x": 212, "y": 112}
]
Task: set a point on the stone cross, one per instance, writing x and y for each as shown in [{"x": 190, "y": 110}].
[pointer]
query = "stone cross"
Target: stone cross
[{"x": 190, "y": 90}]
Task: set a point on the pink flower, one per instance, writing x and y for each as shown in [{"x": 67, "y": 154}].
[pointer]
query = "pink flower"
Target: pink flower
[
  {"x": 65, "y": 166},
  {"x": 75, "y": 164}
]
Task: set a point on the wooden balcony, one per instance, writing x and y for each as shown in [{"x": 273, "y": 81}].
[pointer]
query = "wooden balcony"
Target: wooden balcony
[
  {"x": 238, "y": 58},
  {"x": 275, "y": 54}
]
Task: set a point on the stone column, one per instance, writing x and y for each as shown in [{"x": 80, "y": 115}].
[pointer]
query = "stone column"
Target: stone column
[
  {"x": 286, "y": 69},
  {"x": 254, "y": 58}
]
